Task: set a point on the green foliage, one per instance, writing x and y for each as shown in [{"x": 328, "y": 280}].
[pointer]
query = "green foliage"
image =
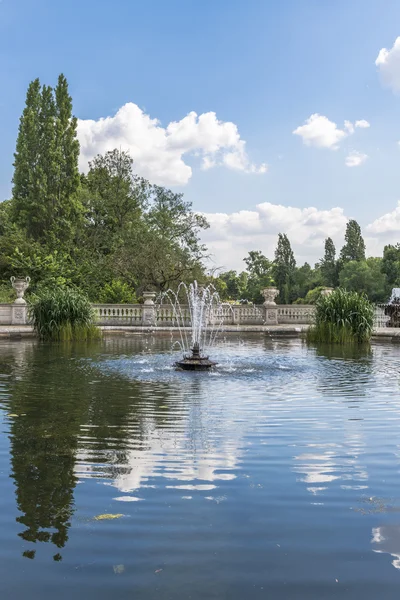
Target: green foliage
[
  {"x": 46, "y": 176},
  {"x": 328, "y": 265},
  {"x": 305, "y": 279},
  {"x": 117, "y": 292},
  {"x": 391, "y": 264},
  {"x": 365, "y": 277},
  {"x": 342, "y": 317},
  {"x": 311, "y": 297},
  {"x": 7, "y": 294},
  {"x": 259, "y": 270},
  {"x": 284, "y": 269},
  {"x": 113, "y": 198},
  {"x": 60, "y": 314},
  {"x": 354, "y": 247}
]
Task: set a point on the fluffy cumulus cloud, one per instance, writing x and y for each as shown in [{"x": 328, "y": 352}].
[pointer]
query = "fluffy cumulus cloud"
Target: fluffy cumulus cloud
[
  {"x": 362, "y": 123},
  {"x": 320, "y": 132},
  {"x": 231, "y": 236},
  {"x": 159, "y": 152},
  {"x": 355, "y": 159},
  {"x": 386, "y": 225},
  {"x": 388, "y": 63}
]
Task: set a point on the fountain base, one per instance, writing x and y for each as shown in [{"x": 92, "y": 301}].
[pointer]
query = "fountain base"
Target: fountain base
[{"x": 195, "y": 362}]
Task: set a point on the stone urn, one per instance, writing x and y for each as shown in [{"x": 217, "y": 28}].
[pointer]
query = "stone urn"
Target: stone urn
[
  {"x": 326, "y": 292},
  {"x": 149, "y": 298},
  {"x": 20, "y": 285},
  {"x": 270, "y": 293}
]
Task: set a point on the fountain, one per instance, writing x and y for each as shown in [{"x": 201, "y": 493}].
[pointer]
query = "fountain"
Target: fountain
[
  {"x": 198, "y": 319},
  {"x": 388, "y": 315}
]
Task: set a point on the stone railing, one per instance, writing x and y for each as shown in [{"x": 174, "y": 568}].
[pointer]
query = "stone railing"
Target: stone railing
[
  {"x": 163, "y": 315},
  {"x": 295, "y": 313},
  {"x": 119, "y": 314}
]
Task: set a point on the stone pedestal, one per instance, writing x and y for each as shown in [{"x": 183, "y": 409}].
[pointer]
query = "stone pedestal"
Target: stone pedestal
[
  {"x": 19, "y": 309},
  {"x": 149, "y": 309},
  {"x": 270, "y": 307},
  {"x": 271, "y": 316},
  {"x": 19, "y": 313}
]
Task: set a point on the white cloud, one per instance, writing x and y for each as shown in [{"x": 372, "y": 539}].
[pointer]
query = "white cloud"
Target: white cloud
[
  {"x": 320, "y": 132},
  {"x": 355, "y": 159},
  {"x": 159, "y": 152},
  {"x": 362, "y": 123},
  {"x": 231, "y": 236},
  {"x": 388, "y": 63},
  {"x": 388, "y": 223}
]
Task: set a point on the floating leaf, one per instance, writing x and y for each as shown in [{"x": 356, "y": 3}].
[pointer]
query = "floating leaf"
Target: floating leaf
[
  {"x": 108, "y": 516},
  {"x": 118, "y": 569}
]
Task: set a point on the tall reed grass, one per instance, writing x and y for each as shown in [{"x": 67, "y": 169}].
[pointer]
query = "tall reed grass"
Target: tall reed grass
[
  {"x": 63, "y": 314},
  {"x": 342, "y": 318}
]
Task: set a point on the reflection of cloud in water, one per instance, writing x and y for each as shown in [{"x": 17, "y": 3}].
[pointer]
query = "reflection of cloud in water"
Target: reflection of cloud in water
[
  {"x": 183, "y": 451},
  {"x": 387, "y": 541},
  {"x": 329, "y": 462}
]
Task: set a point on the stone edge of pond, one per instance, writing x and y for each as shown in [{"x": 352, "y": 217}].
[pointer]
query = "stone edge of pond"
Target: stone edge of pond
[{"x": 12, "y": 332}]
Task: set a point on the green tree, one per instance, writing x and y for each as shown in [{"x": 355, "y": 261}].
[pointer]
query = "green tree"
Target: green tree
[
  {"x": 391, "y": 264},
  {"x": 46, "y": 175},
  {"x": 164, "y": 247},
  {"x": 354, "y": 247},
  {"x": 328, "y": 265},
  {"x": 284, "y": 269},
  {"x": 113, "y": 197},
  {"x": 365, "y": 277},
  {"x": 230, "y": 288},
  {"x": 306, "y": 278},
  {"x": 259, "y": 269}
]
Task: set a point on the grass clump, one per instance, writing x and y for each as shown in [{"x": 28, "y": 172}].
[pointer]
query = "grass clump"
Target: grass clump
[
  {"x": 342, "y": 318},
  {"x": 63, "y": 314}
]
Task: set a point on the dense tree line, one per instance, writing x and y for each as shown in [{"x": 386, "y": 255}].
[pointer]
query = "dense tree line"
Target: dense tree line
[
  {"x": 351, "y": 270},
  {"x": 113, "y": 234}
]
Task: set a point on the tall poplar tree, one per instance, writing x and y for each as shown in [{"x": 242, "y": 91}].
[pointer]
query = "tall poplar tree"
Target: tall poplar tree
[
  {"x": 284, "y": 268},
  {"x": 46, "y": 175},
  {"x": 354, "y": 247},
  {"x": 328, "y": 264}
]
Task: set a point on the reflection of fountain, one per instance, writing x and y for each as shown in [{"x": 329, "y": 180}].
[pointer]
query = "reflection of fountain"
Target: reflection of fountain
[{"x": 206, "y": 317}]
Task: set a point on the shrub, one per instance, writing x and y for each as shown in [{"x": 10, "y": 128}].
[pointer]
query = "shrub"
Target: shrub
[
  {"x": 342, "y": 317},
  {"x": 312, "y": 296},
  {"x": 63, "y": 314},
  {"x": 117, "y": 292},
  {"x": 7, "y": 294}
]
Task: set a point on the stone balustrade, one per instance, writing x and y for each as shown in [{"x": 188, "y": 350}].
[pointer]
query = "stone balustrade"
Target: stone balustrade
[
  {"x": 152, "y": 315},
  {"x": 164, "y": 315},
  {"x": 295, "y": 313}
]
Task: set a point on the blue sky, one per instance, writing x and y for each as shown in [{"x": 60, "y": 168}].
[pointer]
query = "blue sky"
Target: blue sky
[{"x": 265, "y": 66}]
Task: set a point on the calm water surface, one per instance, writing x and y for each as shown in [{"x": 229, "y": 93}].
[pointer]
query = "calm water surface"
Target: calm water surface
[{"x": 276, "y": 476}]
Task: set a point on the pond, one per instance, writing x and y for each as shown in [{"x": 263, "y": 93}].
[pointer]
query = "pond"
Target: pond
[{"x": 275, "y": 476}]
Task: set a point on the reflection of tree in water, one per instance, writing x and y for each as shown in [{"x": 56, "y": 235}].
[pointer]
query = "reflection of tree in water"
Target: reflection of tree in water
[
  {"x": 66, "y": 403},
  {"x": 43, "y": 444}
]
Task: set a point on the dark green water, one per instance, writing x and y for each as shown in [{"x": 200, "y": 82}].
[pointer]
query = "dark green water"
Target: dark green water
[{"x": 277, "y": 476}]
